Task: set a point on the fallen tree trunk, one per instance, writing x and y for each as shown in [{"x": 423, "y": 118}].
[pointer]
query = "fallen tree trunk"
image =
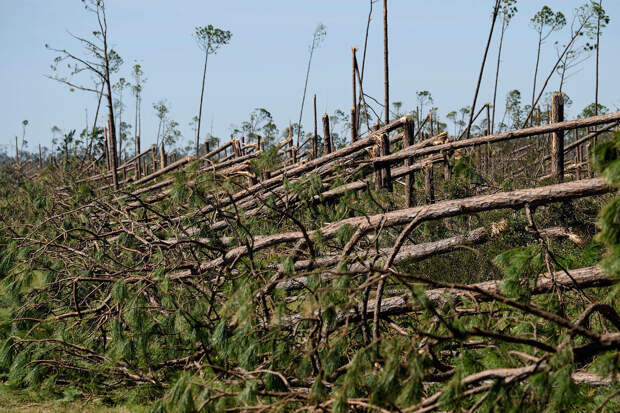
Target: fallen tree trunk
[
  {"x": 500, "y": 137},
  {"x": 514, "y": 199},
  {"x": 582, "y": 278}
]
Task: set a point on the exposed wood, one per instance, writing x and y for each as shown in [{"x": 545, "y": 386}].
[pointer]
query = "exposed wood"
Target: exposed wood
[
  {"x": 505, "y": 136},
  {"x": 513, "y": 199}
]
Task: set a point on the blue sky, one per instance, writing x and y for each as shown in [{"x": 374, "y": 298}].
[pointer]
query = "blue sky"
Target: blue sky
[{"x": 435, "y": 46}]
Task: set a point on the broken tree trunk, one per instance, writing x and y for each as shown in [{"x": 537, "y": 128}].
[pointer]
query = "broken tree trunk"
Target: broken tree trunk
[
  {"x": 500, "y": 137},
  {"x": 445, "y": 209},
  {"x": 410, "y": 177},
  {"x": 386, "y": 178},
  {"x": 557, "y": 137},
  {"x": 327, "y": 140},
  {"x": 429, "y": 191}
]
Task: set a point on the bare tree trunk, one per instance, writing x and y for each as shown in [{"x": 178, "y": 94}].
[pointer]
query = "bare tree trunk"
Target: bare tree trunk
[
  {"x": 428, "y": 184},
  {"x": 386, "y": 64},
  {"x": 202, "y": 92},
  {"x": 557, "y": 138},
  {"x": 410, "y": 177},
  {"x": 499, "y": 55},
  {"x": 316, "y": 131},
  {"x": 111, "y": 125},
  {"x": 327, "y": 140},
  {"x": 354, "y": 108},
  {"x": 484, "y": 59},
  {"x": 536, "y": 68},
  {"x": 598, "y": 43},
  {"x": 386, "y": 177}
]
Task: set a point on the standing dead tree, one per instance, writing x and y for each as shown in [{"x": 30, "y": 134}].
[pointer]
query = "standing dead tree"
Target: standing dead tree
[{"x": 99, "y": 60}]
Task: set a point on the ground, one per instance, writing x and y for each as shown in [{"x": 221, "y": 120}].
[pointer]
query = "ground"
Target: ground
[{"x": 14, "y": 401}]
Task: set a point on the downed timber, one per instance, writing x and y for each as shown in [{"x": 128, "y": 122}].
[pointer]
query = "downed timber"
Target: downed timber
[
  {"x": 329, "y": 194},
  {"x": 585, "y": 138},
  {"x": 368, "y": 258},
  {"x": 416, "y": 252},
  {"x": 445, "y": 209},
  {"x": 500, "y": 137},
  {"x": 183, "y": 161},
  {"x": 224, "y": 168},
  {"x": 216, "y": 151},
  {"x": 582, "y": 278}
]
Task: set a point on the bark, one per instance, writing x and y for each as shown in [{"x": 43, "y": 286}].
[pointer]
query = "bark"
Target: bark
[
  {"x": 386, "y": 64},
  {"x": 410, "y": 177},
  {"x": 445, "y": 209},
  {"x": 327, "y": 140},
  {"x": 315, "y": 149},
  {"x": 500, "y": 137},
  {"x": 557, "y": 137}
]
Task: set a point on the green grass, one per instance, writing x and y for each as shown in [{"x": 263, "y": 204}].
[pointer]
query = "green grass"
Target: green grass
[{"x": 28, "y": 401}]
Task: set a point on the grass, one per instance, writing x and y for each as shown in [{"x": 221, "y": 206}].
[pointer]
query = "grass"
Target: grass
[{"x": 28, "y": 401}]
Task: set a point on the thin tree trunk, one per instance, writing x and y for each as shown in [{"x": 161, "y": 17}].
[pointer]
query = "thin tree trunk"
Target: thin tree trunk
[
  {"x": 598, "y": 43},
  {"x": 353, "y": 88},
  {"x": 111, "y": 125},
  {"x": 555, "y": 66},
  {"x": 303, "y": 98},
  {"x": 536, "y": 68},
  {"x": 316, "y": 131},
  {"x": 202, "y": 92},
  {"x": 499, "y": 54},
  {"x": 484, "y": 59},
  {"x": 386, "y": 64}
]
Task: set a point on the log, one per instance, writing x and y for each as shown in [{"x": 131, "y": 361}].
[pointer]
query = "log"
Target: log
[
  {"x": 183, "y": 161},
  {"x": 500, "y": 137},
  {"x": 582, "y": 278},
  {"x": 445, "y": 209},
  {"x": 366, "y": 259}
]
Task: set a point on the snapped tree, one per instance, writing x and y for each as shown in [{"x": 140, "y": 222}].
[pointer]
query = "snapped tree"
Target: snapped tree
[{"x": 99, "y": 60}]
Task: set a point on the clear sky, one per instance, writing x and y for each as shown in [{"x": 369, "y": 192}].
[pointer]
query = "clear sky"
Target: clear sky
[{"x": 434, "y": 45}]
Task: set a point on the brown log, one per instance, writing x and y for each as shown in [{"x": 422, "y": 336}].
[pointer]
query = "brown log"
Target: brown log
[
  {"x": 366, "y": 259},
  {"x": 445, "y": 209},
  {"x": 582, "y": 278},
  {"x": 505, "y": 136}
]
